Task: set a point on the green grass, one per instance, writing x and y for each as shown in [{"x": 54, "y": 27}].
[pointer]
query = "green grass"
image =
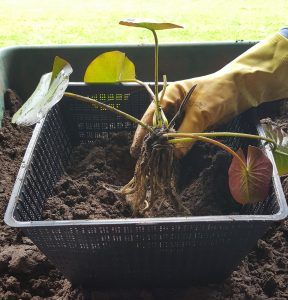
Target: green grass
[{"x": 96, "y": 21}]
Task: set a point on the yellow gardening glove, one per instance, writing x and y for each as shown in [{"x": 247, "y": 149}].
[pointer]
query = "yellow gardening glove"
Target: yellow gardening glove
[{"x": 258, "y": 75}]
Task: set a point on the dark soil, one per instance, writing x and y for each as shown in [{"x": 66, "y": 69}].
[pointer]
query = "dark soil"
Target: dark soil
[
  {"x": 24, "y": 270},
  {"x": 25, "y": 273},
  {"x": 90, "y": 189}
]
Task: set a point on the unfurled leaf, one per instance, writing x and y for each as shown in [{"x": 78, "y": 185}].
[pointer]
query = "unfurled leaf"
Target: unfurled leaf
[
  {"x": 250, "y": 184},
  {"x": 281, "y": 151},
  {"x": 49, "y": 91},
  {"x": 163, "y": 120},
  {"x": 148, "y": 24},
  {"x": 110, "y": 67}
]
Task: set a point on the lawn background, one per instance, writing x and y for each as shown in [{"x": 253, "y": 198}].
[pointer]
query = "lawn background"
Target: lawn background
[{"x": 96, "y": 21}]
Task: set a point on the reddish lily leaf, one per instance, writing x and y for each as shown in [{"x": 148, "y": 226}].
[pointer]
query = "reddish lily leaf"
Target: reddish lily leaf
[
  {"x": 250, "y": 184},
  {"x": 149, "y": 24}
]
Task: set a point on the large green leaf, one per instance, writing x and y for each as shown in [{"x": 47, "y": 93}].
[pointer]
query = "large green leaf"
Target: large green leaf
[
  {"x": 148, "y": 24},
  {"x": 49, "y": 91},
  {"x": 281, "y": 151},
  {"x": 110, "y": 67},
  {"x": 250, "y": 183}
]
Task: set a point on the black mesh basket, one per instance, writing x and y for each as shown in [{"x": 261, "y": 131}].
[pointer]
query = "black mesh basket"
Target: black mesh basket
[{"x": 129, "y": 252}]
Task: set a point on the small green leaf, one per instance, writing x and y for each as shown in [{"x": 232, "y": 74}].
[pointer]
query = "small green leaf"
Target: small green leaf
[
  {"x": 148, "y": 24},
  {"x": 162, "y": 120},
  {"x": 281, "y": 151},
  {"x": 250, "y": 184},
  {"x": 49, "y": 91},
  {"x": 58, "y": 65},
  {"x": 110, "y": 67}
]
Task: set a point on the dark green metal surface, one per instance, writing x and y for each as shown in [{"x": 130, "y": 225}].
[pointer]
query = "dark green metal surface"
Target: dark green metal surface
[{"x": 21, "y": 67}]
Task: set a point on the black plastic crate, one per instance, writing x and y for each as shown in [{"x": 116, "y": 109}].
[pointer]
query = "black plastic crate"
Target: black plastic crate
[{"x": 129, "y": 252}]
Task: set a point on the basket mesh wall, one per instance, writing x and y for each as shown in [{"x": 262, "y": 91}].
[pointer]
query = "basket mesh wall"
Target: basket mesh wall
[{"x": 127, "y": 254}]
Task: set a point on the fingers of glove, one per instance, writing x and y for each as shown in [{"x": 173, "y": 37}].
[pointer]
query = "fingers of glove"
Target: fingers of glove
[
  {"x": 197, "y": 112},
  {"x": 172, "y": 99},
  {"x": 189, "y": 124},
  {"x": 138, "y": 138},
  {"x": 141, "y": 132},
  {"x": 170, "y": 104}
]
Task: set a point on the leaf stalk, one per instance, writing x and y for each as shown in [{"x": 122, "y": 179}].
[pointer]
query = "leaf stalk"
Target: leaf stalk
[
  {"x": 211, "y": 141},
  {"x": 144, "y": 84},
  {"x": 223, "y": 134},
  {"x": 156, "y": 78}
]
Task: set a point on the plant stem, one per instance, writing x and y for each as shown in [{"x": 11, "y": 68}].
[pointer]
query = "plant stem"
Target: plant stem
[
  {"x": 222, "y": 134},
  {"x": 211, "y": 141},
  {"x": 156, "y": 71},
  {"x": 164, "y": 87},
  {"x": 108, "y": 107},
  {"x": 147, "y": 87},
  {"x": 281, "y": 152},
  {"x": 156, "y": 64}
]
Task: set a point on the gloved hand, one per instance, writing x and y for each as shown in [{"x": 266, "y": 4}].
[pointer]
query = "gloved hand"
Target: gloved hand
[{"x": 258, "y": 75}]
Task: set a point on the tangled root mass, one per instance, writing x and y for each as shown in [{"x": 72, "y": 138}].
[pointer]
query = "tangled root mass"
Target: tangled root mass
[{"x": 154, "y": 180}]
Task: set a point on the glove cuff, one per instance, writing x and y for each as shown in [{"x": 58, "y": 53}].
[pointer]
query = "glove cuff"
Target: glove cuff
[{"x": 260, "y": 74}]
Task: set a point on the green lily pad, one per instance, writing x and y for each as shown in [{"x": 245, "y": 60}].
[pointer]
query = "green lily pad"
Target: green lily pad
[
  {"x": 49, "y": 91},
  {"x": 110, "y": 67},
  {"x": 280, "y": 153},
  {"x": 148, "y": 24},
  {"x": 250, "y": 184}
]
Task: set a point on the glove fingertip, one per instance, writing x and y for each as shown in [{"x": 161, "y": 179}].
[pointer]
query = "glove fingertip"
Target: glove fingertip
[
  {"x": 180, "y": 152},
  {"x": 135, "y": 150},
  {"x": 182, "y": 149},
  {"x": 137, "y": 142}
]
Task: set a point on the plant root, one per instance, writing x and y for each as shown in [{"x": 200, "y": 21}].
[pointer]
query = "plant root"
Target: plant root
[{"x": 154, "y": 180}]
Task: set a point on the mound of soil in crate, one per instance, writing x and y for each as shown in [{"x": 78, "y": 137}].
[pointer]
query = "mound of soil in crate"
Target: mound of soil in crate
[
  {"x": 90, "y": 188},
  {"x": 25, "y": 273}
]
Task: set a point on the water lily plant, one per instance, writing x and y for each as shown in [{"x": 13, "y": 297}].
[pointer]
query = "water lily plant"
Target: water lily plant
[{"x": 154, "y": 178}]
